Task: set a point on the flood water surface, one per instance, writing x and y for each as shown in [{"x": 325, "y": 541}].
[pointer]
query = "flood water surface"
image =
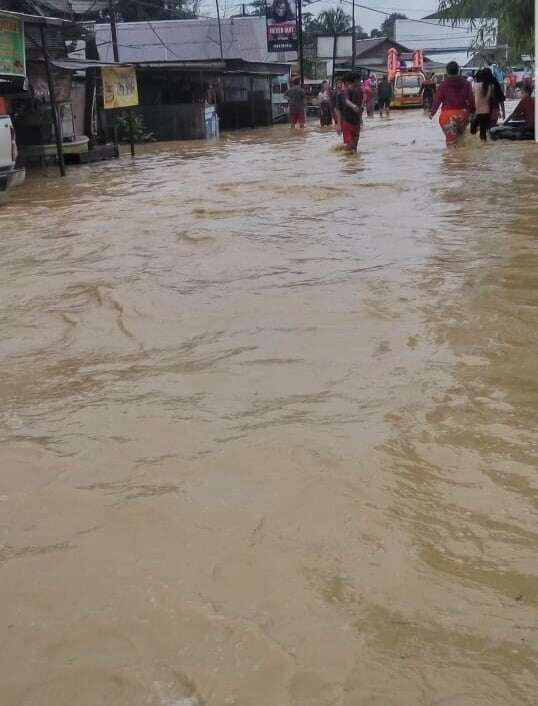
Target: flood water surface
[{"x": 268, "y": 425}]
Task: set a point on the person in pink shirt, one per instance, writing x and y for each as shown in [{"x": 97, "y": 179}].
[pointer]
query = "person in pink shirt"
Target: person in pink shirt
[
  {"x": 455, "y": 98},
  {"x": 368, "y": 93}
]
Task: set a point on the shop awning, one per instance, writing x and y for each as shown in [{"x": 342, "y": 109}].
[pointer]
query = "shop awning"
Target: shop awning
[
  {"x": 83, "y": 64},
  {"x": 35, "y": 19}
]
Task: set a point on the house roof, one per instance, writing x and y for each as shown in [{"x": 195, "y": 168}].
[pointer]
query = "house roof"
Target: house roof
[
  {"x": 190, "y": 40},
  {"x": 62, "y": 7},
  {"x": 440, "y": 35},
  {"x": 84, "y": 7},
  {"x": 364, "y": 45},
  {"x": 35, "y": 19}
]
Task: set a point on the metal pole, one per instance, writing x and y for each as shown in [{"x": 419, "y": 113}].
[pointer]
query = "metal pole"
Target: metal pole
[
  {"x": 113, "y": 31},
  {"x": 335, "y": 42},
  {"x": 353, "y": 36},
  {"x": 300, "y": 38},
  {"x": 220, "y": 29},
  {"x": 54, "y": 107},
  {"x": 116, "y": 52},
  {"x": 270, "y": 79}
]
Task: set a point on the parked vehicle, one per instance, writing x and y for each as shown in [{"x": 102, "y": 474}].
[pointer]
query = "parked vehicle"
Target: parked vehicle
[
  {"x": 406, "y": 80},
  {"x": 10, "y": 176}
]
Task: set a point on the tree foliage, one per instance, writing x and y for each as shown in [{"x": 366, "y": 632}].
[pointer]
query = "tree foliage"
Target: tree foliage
[
  {"x": 388, "y": 25},
  {"x": 334, "y": 22},
  {"x": 515, "y": 17}
]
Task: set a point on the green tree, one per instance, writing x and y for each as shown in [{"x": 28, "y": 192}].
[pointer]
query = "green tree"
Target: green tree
[
  {"x": 515, "y": 18},
  {"x": 388, "y": 25},
  {"x": 335, "y": 23}
]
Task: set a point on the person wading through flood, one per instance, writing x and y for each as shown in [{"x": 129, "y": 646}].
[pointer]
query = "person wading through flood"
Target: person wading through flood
[
  {"x": 483, "y": 96},
  {"x": 325, "y": 111},
  {"x": 384, "y": 96},
  {"x": 369, "y": 96},
  {"x": 427, "y": 91},
  {"x": 455, "y": 98},
  {"x": 349, "y": 111},
  {"x": 296, "y": 104},
  {"x": 497, "y": 100}
]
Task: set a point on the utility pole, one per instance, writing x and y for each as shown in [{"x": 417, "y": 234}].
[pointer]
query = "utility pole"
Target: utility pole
[
  {"x": 300, "y": 39},
  {"x": 113, "y": 31},
  {"x": 53, "y": 104},
  {"x": 220, "y": 29},
  {"x": 116, "y": 52},
  {"x": 353, "y": 36}
]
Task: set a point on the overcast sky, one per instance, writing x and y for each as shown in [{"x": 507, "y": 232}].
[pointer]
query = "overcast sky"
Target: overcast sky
[{"x": 366, "y": 18}]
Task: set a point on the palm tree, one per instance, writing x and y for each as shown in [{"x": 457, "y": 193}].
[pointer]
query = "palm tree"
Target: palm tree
[{"x": 334, "y": 22}]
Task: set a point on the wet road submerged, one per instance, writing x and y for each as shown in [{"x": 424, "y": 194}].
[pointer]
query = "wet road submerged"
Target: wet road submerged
[{"x": 268, "y": 425}]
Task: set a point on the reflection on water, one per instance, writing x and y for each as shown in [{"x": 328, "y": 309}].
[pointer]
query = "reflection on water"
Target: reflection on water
[{"x": 268, "y": 431}]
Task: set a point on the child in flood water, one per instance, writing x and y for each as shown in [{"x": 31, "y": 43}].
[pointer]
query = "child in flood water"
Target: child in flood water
[{"x": 349, "y": 104}]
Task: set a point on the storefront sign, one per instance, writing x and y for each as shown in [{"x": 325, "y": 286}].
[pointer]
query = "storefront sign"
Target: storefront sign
[
  {"x": 281, "y": 25},
  {"x": 12, "y": 55},
  {"x": 120, "y": 89}
]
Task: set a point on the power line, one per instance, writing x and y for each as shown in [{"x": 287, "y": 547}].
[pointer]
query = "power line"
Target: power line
[{"x": 161, "y": 40}]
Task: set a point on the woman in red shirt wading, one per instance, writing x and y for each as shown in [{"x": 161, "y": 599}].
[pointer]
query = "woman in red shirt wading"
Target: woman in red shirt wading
[{"x": 455, "y": 98}]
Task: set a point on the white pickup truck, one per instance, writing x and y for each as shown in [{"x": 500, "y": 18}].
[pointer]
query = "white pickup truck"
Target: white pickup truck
[{"x": 9, "y": 175}]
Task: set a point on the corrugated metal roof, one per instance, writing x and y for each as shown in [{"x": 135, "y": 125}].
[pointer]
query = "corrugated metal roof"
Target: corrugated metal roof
[
  {"x": 436, "y": 34},
  {"x": 62, "y": 7},
  {"x": 462, "y": 57},
  {"x": 35, "y": 19},
  {"x": 363, "y": 45},
  {"x": 190, "y": 40},
  {"x": 84, "y": 7}
]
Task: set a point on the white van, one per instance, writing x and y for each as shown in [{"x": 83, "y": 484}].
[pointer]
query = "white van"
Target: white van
[{"x": 10, "y": 176}]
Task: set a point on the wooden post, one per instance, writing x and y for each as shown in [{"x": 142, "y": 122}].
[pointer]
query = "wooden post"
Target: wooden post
[
  {"x": 131, "y": 130},
  {"x": 252, "y": 105},
  {"x": 54, "y": 107}
]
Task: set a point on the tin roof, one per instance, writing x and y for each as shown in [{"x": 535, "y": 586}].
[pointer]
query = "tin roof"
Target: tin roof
[
  {"x": 35, "y": 19},
  {"x": 190, "y": 40}
]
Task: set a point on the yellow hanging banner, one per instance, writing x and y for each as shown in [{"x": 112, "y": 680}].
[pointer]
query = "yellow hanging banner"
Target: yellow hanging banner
[{"x": 120, "y": 89}]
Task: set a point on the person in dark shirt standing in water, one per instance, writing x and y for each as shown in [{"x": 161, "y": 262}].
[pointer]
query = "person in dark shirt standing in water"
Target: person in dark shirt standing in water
[
  {"x": 349, "y": 111},
  {"x": 296, "y": 104},
  {"x": 427, "y": 91},
  {"x": 384, "y": 96}
]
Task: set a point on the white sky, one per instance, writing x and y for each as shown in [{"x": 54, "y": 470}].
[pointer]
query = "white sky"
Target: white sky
[{"x": 414, "y": 9}]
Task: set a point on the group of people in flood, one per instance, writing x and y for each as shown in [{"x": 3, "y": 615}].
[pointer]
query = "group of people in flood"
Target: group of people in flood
[
  {"x": 478, "y": 102},
  {"x": 343, "y": 106},
  {"x": 373, "y": 92}
]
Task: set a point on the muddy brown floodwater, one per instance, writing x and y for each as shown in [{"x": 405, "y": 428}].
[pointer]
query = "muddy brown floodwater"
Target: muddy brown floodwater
[{"x": 269, "y": 419}]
